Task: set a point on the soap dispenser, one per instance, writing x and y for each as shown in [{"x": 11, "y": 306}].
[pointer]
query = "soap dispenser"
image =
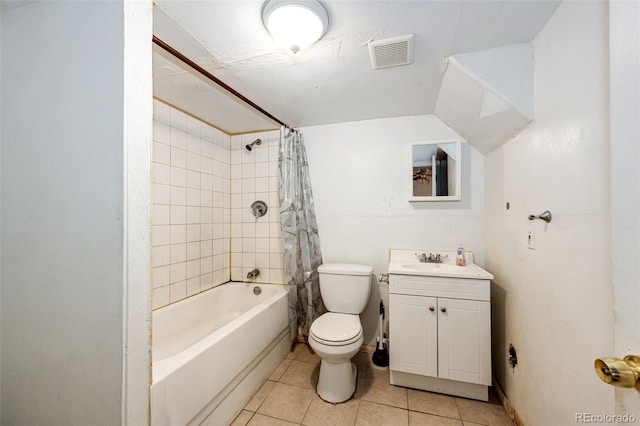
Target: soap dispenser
[{"x": 461, "y": 259}]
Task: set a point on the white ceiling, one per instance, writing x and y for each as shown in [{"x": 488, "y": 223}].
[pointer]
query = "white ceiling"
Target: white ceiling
[{"x": 332, "y": 81}]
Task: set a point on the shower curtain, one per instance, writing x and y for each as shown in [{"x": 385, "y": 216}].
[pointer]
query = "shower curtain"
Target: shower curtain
[{"x": 302, "y": 254}]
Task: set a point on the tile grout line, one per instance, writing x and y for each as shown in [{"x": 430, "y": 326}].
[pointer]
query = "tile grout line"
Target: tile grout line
[
  {"x": 359, "y": 399},
  {"x": 357, "y": 412},
  {"x": 436, "y": 415},
  {"x": 279, "y": 381},
  {"x": 307, "y": 410},
  {"x": 278, "y": 418},
  {"x": 250, "y": 417},
  {"x": 265, "y": 398},
  {"x": 460, "y": 413},
  {"x": 458, "y": 408}
]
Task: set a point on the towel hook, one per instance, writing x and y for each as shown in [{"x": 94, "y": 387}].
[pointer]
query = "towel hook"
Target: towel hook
[{"x": 545, "y": 215}]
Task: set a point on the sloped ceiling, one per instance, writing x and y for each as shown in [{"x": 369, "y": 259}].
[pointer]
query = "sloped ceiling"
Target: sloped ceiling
[
  {"x": 487, "y": 97},
  {"x": 332, "y": 81}
]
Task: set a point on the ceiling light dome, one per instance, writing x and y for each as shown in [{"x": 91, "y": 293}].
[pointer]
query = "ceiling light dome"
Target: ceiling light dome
[{"x": 295, "y": 24}]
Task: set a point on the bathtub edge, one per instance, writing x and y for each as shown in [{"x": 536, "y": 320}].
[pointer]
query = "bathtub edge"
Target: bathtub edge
[{"x": 241, "y": 393}]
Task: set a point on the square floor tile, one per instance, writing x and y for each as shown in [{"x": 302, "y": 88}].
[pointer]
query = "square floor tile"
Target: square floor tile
[
  {"x": 289, "y": 398},
  {"x": 321, "y": 413},
  {"x": 433, "y": 403},
  {"x": 292, "y": 353},
  {"x": 304, "y": 353},
  {"x": 287, "y": 402},
  {"x": 483, "y": 413},
  {"x": 370, "y": 413},
  {"x": 280, "y": 369},
  {"x": 301, "y": 374},
  {"x": 359, "y": 384},
  {"x": 259, "y": 397},
  {"x": 422, "y": 419},
  {"x": 376, "y": 388},
  {"x": 260, "y": 420},
  {"x": 242, "y": 419}
]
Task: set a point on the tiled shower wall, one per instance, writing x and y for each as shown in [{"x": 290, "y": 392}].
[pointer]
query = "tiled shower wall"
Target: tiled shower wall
[
  {"x": 190, "y": 234},
  {"x": 255, "y": 243},
  {"x": 204, "y": 182}
]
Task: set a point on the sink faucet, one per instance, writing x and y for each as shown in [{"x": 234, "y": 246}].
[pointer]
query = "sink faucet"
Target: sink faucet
[
  {"x": 432, "y": 258},
  {"x": 253, "y": 274}
]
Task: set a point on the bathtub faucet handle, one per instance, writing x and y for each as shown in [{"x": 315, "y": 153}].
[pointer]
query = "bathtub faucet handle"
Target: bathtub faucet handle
[{"x": 253, "y": 274}]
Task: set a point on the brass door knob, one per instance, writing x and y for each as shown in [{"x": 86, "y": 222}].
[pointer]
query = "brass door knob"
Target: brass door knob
[{"x": 623, "y": 373}]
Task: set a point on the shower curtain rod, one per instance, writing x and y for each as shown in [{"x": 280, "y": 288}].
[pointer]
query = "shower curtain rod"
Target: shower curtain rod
[{"x": 215, "y": 79}]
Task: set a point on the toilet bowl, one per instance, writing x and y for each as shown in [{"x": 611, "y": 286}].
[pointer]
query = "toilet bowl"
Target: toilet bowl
[
  {"x": 337, "y": 335},
  {"x": 336, "y": 338}
]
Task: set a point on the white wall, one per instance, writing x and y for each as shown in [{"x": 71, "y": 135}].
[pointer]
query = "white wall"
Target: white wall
[
  {"x": 64, "y": 192},
  {"x": 624, "y": 42},
  {"x": 360, "y": 179},
  {"x": 136, "y": 297},
  {"x": 555, "y": 303},
  {"x": 1, "y": 85}
]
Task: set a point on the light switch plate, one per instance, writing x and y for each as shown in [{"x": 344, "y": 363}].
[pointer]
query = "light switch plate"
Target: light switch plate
[{"x": 531, "y": 238}]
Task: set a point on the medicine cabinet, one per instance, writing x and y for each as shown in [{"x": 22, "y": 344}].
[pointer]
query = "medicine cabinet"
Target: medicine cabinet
[{"x": 435, "y": 170}]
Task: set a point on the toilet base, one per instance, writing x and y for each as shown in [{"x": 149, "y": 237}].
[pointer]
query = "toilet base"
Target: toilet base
[{"x": 337, "y": 382}]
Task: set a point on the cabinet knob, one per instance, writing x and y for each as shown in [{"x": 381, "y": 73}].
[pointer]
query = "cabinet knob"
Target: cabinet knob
[
  {"x": 431, "y": 308},
  {"x": 443, "y": 309}
]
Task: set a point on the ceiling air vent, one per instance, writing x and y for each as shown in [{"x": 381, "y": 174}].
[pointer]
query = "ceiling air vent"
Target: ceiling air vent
[{"x": 391, "y": 52}]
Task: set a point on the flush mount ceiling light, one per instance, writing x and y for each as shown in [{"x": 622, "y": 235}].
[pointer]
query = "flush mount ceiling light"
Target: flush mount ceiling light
[{"x": 295, "y": 24}]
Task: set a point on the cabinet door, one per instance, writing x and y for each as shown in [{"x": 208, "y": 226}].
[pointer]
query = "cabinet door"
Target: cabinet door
[
  {"x": 464, "y": 341},
  {"x": 413, "y": 327}
]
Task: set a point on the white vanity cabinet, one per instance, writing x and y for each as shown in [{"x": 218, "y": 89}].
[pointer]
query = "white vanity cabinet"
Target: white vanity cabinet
[{"x": 440, "y": 334}]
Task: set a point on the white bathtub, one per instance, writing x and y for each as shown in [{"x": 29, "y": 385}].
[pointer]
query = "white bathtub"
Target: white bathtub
[{"x": 212, "y": 351}]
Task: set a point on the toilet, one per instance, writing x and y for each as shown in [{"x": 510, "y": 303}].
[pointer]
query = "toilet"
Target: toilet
[{"x": 336, "y": 336}]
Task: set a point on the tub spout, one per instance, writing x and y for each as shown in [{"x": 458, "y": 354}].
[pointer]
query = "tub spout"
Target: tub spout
[{"x": 253, "y": 274}]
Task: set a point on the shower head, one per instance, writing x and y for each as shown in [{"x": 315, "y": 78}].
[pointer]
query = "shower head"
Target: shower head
[{"x": 249, "y": 147}]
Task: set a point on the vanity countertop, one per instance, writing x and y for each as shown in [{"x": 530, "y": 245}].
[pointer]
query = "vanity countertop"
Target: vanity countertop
[{"x": 405, "y": 262}]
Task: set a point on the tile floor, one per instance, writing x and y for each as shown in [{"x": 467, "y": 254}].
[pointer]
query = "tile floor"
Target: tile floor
[{"x": 289, "y": 398}]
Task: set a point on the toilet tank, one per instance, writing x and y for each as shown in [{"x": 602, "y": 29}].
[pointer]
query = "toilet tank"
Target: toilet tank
[{"x": 345, "y": 287}]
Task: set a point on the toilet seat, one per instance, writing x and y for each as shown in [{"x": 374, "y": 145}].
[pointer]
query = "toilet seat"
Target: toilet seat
[{"x": 335, "y": 329}]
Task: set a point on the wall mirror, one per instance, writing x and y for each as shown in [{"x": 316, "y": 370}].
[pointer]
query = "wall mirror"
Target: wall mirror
[{"x": 435, "y": 170}]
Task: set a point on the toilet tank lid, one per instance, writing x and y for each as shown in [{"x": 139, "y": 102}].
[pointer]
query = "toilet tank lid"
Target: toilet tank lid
[{"x": 345, "y": 269}]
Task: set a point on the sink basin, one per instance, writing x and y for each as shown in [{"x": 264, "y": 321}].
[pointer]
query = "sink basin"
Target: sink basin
[
  {"x": 439, "y": 270},
  {"x": 406, "y": 262}
]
